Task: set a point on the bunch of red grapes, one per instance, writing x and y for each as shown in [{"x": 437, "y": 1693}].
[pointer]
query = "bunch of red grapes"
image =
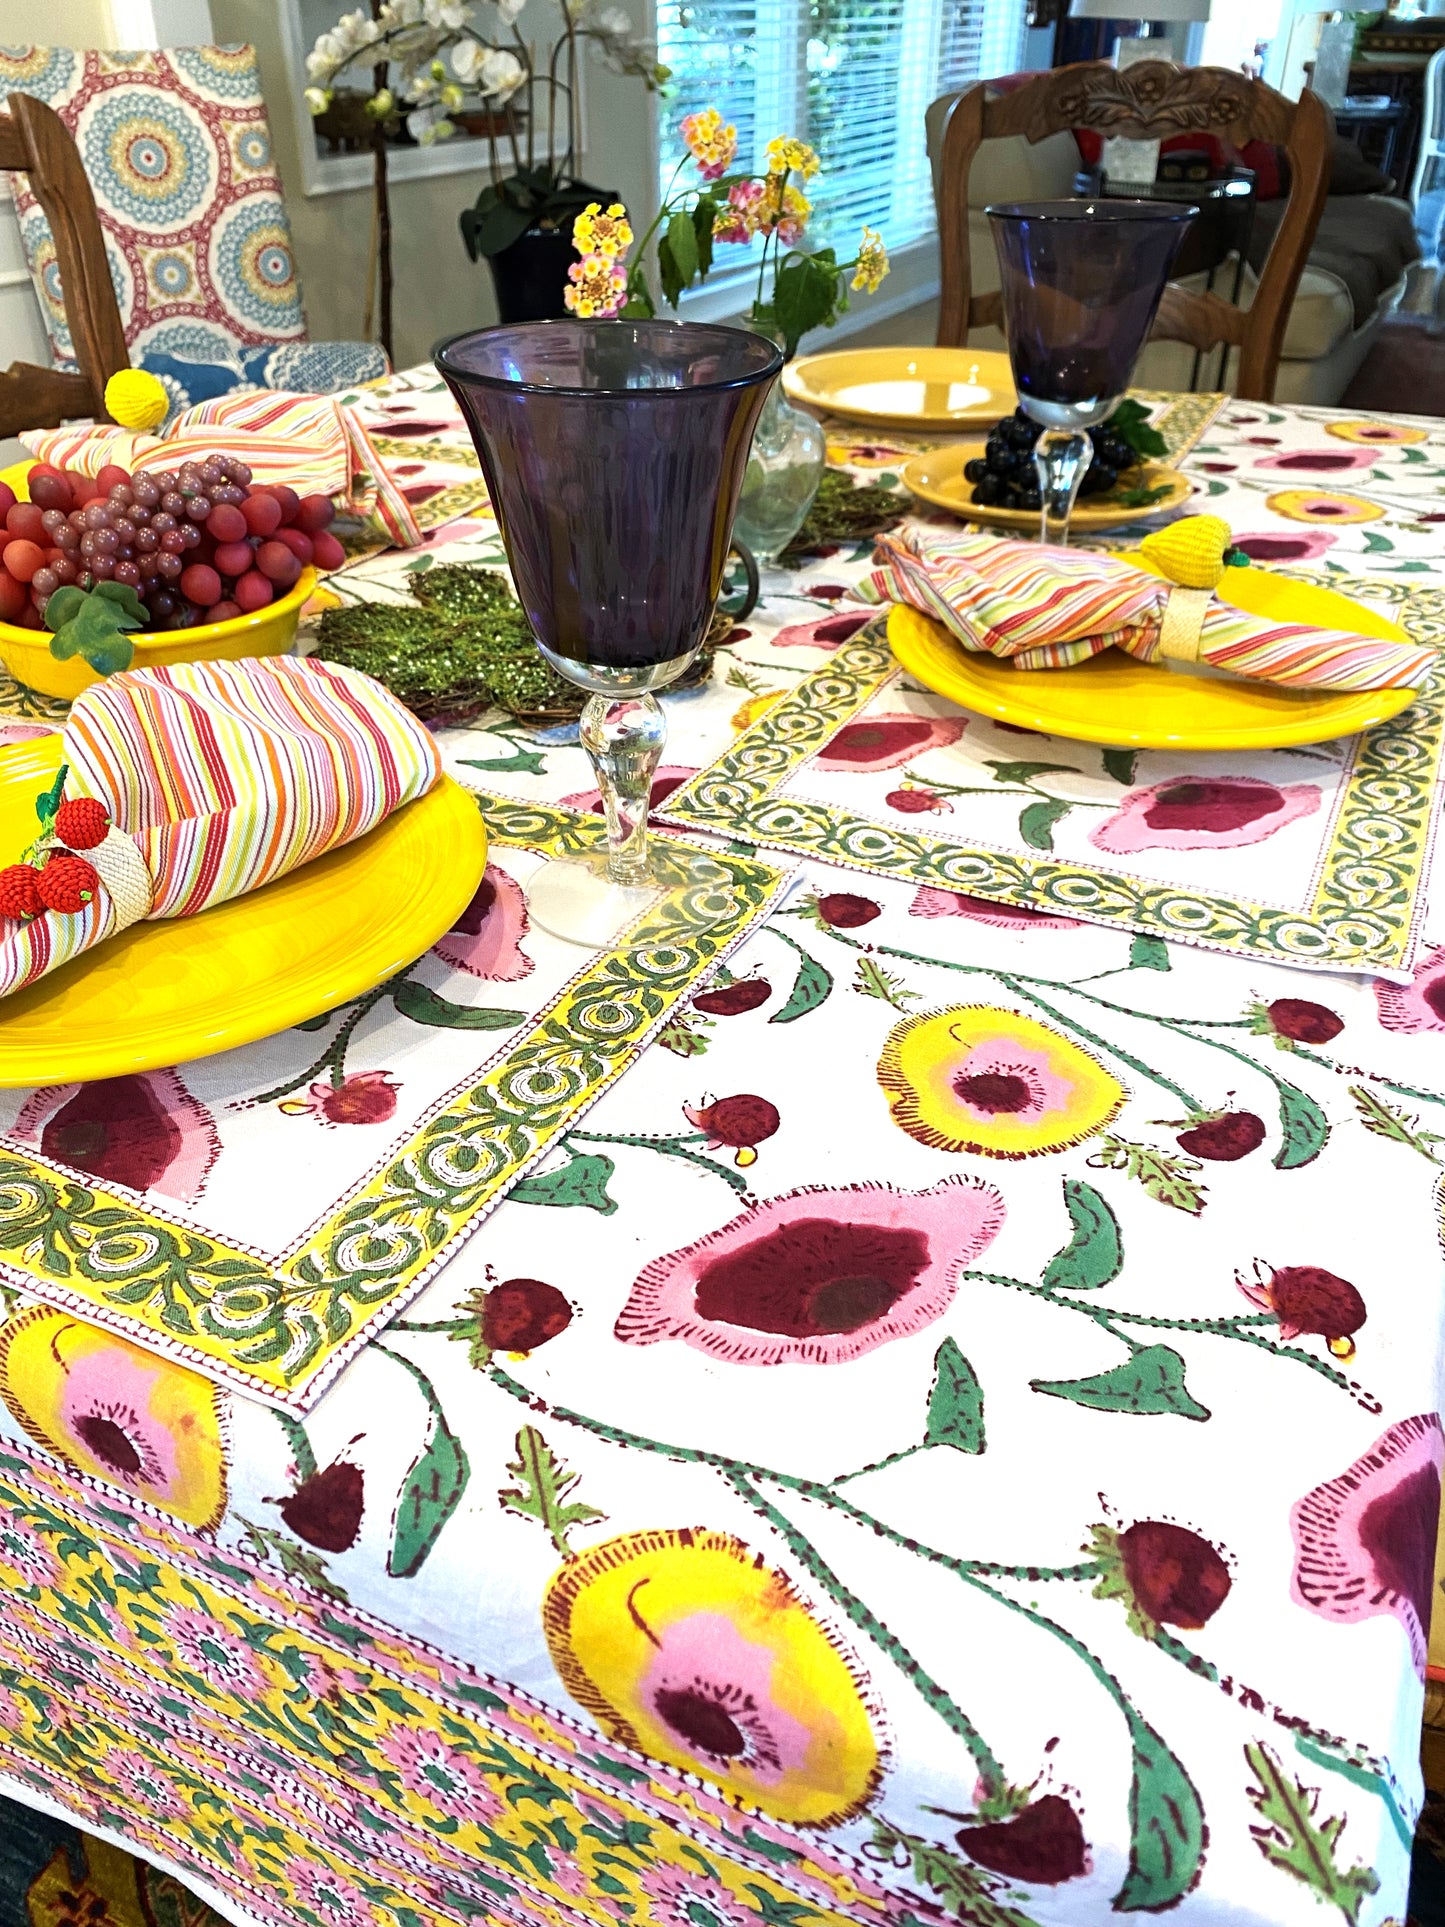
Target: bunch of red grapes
[{"x": 198, "y": 543}]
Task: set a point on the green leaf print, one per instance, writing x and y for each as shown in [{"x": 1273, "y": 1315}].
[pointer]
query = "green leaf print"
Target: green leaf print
[
  {"x": 1166, "y": 1825},
  {"x": 1095, "y": 1253},
  {"x": 423, "y": 1006},
  {"x": 1167, "y": 1177},
  {"x": 521, "y": 762},
  {"x": 581, "y": 1180},
  {"x": 432, "y": 1489},
  {"x": 1149, "y": 1384},
  {"x": 968, "y": 1893},
  {"x": 1304, "y": 1127},
  {"x": 955, "y": 1405},
  {"x": 1120, "y": 764},
  {"x": 811, "y": 988},
  {"x": 1148, "y": 953},
  {"x": 1025, "y": 772},
  {"x": 543, "y": 1483},
  {"x": 1037, "y": 820},
  {"x": 1376, "y": 544},
  {"x": 1294, "y": 1841}
]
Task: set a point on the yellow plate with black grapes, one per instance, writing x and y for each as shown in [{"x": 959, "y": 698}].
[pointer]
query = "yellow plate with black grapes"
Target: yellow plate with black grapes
[
  {"x": 1116, "y": 699},
  {"x": 183, "y": 987},
  {"x": 938, "y": 479}
]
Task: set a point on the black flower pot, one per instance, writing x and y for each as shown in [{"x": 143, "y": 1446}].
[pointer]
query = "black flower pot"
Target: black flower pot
[{"x": 530, "y": 276}]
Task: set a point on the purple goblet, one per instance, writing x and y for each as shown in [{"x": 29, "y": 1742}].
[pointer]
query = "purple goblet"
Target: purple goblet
[
  {"x": 614, "y": 452},
  {"x": 1081, "y": 283}
]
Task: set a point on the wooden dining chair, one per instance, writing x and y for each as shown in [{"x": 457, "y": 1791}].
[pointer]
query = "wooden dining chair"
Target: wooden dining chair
[
  {"x": 34, "y": 141},
  {"x": 1149, "y": 101}
]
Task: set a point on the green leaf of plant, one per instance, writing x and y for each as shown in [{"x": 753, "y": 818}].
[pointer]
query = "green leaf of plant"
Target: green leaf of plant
[
  {"x": 432, "y": 1489},
  {"x": 1095, "y": 1253},
  {"x": 811, "y": 987},
  {"x": 638, "y": 306},
  {"x": 122, "y": 593},
  {"x": 1305, "y": 1128},
  {"x": 1120, "y": 764},
  {"x": 543, "y": 1483},
  {"x": 1294, "y": 1841},
  {"x": 704, "y": 214},
  {"x": 805, "y": 296},
  {"x": 1166, "y": 1826},
  {"x": 1021, "y": 772},
  {"x": 63, "y": 605},
  {"x": 582, "y": 1180},
  {"x": 955, "y": 1405},
  {"x": 1148, "y": 953},
  {"x": 682, "y": 236},
  {"x": 96, "y": 632},
  {"x": 1037, "y": 820},
  {"x": 1131, "y": 420},
  {"x": 1149, "y": 1384},
  {"x": 423, "y": 1006},
  {"x": 669, "y": 269},
  {"x": 498, "y": 228}
]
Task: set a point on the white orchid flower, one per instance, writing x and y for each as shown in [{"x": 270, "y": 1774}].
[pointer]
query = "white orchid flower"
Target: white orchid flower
[{"x": 501, "y": 74}]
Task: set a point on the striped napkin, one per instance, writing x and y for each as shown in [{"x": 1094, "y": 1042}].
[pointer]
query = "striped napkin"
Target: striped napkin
[
  {"x": 218, "y": 777},
  {"x": 1049, "y": 608},
  {"x": 312, "y": 443}
]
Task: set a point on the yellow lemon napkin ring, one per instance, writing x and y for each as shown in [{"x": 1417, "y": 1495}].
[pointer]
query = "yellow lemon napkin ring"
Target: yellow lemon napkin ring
[
  {"x": 118, "y": 864},
  {"x": 1183, "y": 623}
]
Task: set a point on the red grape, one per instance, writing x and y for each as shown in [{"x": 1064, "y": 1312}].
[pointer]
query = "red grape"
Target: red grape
[
  {"x": 44, "y": 582},
  {"x": 288, "y": 501},
  {"x": 225, "y": 611},
  {"x": 146, "y": 541},
  {"x": 7, "y": 500},
  {"x": 162, "y": 603},
  {"x": 128, "y": 573},
  {"x": 327, "y": 552},
  {"x": 105, "y": 542},
  {"x": 212, "y": 474},
  {"x": 190, "y": 535},
  {"x": 12, "y": 597},
  {"x": 102, "y": 567},
  {"x": 96, "y": 516},
  {"x": 163, "y": 522},
  {"x": 147, "y": 491},
  {"x": 233, "y": 558},
  {"x": 262, "y": 513},
  {"x": 23, "y": 558},
  {"x": 48, "y": 487},
  {"x": 53, "y": 521},
  {"x": 111, "y": 476},
  {"x": 299, "y": 544},
  {"x": 253, "y": 591},
  {"x": 29, "y": 617},
  {"x": 315, "y": 513},
  {"x": 173, "y": 541},
  {"x": 173, "y": 502},
  {"x": 240, "y": 474},
  {"x": 201, "y": 584},
  {"x": 64, "y": 570},
  {"x": 277, "y": 563},
  {"x": 169, "y": 565},
  {"x": 227, "y": 523},
  {"x": 25, "y": 522}
]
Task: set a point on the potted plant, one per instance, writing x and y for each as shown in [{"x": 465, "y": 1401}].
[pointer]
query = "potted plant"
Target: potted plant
[
  {"x": 443, "y": 69},
  {"x": 796, "y": 291}
]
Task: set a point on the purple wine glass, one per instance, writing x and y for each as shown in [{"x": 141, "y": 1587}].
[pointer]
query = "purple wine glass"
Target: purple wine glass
[
  {"x": 1081, "y": 283},
  {"x": 614, "y": 452}
]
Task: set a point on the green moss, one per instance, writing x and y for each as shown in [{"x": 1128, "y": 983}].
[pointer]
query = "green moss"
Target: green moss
[{"x": 843, "y": 511}]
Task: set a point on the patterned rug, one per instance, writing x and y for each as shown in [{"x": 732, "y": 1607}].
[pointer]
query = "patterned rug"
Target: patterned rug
[{"x": 53, "y": 1875}]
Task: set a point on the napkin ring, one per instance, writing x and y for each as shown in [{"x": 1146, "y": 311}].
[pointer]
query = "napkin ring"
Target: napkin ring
[
  {"x": 120, "y": 867},
  {"x": 1182, "y": 624}
]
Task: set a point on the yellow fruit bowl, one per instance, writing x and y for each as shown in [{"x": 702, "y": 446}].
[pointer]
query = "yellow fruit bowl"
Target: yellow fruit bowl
[{"x": 266, "y": 632}]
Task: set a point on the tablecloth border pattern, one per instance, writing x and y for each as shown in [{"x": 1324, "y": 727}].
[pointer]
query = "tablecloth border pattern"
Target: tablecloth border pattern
[
  {"x": 1367, "y": 899},
  {"x": 104, "y": 1620},
  {"x": 280, "y": 1326}
]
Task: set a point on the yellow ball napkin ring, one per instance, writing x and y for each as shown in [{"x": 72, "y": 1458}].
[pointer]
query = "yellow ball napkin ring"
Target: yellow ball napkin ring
[{"x": 135, "y": 399}]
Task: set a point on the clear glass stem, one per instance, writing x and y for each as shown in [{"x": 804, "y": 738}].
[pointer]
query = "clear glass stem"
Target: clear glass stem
[
  {"x": 623, "y": 737},
  {"x": 1062, "y": 457}
]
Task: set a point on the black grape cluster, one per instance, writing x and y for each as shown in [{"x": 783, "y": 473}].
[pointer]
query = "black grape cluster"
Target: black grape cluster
[{"x": 1004, "y": 476}]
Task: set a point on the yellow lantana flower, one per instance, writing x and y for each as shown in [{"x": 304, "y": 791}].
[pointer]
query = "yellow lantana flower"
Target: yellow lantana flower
[
  {"x": 787, "y": 155},
  {"x": 597, "y": 287},
  {"x": 684, "y": 1645},
  {"x": 992, "y": 1081},
  {"x": 872, "y": 263},
  {"x": 607, "y": 235},
  {"x": 711, "y": 144},
  {"x": 116, "y": 1412}
]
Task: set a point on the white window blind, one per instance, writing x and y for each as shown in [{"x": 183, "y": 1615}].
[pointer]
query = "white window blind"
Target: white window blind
[{"x": 853, "y": 77}]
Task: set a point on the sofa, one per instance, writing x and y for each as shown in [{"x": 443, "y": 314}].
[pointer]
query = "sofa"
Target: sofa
[{"x": 1356, "y": 273}]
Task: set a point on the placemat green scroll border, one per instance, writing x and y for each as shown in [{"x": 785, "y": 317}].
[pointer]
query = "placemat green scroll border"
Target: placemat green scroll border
[
  {"x": 280, "y": 1325},
  {"x": 1363, "y": 912}
]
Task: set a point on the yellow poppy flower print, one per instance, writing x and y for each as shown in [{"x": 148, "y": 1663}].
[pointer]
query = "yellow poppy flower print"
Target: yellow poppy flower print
[
  {"x": 1320, "y": 505},
  {"x": 117, "y": 1412},
  {"x": 975, "y": 1078},
  {"x": 1387, "y": 434},
  {"x": 684, "y": 1645}
]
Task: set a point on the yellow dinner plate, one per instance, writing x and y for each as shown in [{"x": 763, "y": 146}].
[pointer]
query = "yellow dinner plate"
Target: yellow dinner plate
[
  {"x": 939, "y": 478},
  {"x": 1116, "y": 699},
  {"x": 906, "y": 387},
  {"x": 183, "y": 987}
]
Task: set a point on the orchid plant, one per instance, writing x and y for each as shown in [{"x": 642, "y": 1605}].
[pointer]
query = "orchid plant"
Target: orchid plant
[{"x": 807, "y": 290}]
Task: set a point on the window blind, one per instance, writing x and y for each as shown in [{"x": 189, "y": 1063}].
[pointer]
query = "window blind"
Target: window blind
[{"x": 853, "y": 77}]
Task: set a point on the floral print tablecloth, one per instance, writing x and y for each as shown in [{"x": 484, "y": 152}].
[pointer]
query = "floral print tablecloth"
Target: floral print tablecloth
[{"x": 951, "y": 1434}]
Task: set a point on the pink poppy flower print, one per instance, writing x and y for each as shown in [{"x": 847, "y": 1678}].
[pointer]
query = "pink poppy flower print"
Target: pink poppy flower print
[
  {"x": 1319, "y": 461},
  {"x": 1274, "y": 545},
  {"x": 928, "y": 902},
  {"x": 669, "y": 777},
  {"x": 428, "y": 1766},
  {"x": 829, "y": 633},
  {"x": 1203, "y": 813},
  {"x": 330, "y": 1895},
  {"x": 486, "y": 939},
  {"x": 208, "y": 1652},
  {"x": 888, "y": 741},
  {"x": 142, "y": 1783},
  {"x": 686, "y": 1897},
  {"x": 1418, "y": 1005},
  {"x": 146, "y": 1132},
  {"x": 1365, "y": 1541},
  {"x": 816, "y": 1276}
]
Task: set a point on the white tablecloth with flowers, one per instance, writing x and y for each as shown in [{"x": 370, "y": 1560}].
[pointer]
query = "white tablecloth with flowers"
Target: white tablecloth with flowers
[{"x": 951, "y": 1433}]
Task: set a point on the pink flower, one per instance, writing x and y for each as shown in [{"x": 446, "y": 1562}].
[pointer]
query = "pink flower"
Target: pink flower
[
  {"x": 1320, "y": 461},
  {"x": 1365, "y": 1541},
  {"x": 829, "y": 633},
  {"x": 146, "y": 1132},
  {"x": 143, "y": 1783},
  {"x": 25, "y": 1557},
  {"x": 205, "y": 1649},
  {"x": 888, "y": 741},
  {"x": 669, "y": 777},
  {"x": 428, "y": 1766},
  {"x": 1002, "y": 916},
  {"x": 1274, "y": 545},
  {"x": 486, "y": 939},
  {"x": 331, "y": 1895},
  {"x": 1203, "y": 813},
  {"x": 817, "y": 1275},
  {"x": 365, "y": 1097},
  {"x": 1418, "y": 1005},
  {"x": 685, "y": 1897}
]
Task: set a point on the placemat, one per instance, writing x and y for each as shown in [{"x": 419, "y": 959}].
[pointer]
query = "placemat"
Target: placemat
[
  {"x": 1314, "y": 856},
  {"x": 257, "y": 1214}
]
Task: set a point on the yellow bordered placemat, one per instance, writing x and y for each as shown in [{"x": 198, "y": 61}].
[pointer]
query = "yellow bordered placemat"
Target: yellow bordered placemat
[
  {"x": 1183, "y": 421},
  {"x": 1358, "y": 908},
  {"x": 279, "y": 1323}
]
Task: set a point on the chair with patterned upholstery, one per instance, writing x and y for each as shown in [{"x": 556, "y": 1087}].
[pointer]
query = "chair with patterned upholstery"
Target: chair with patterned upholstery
[{"x": 178, "y": 154}]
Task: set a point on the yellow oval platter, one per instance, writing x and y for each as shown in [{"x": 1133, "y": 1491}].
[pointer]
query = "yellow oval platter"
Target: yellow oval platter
[
  {"x": 1116, "y": 699},
  {"x": 907, "y": 388},
  {"x": 938, "y": 478},
  {"x": 183, "y": 987}
]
